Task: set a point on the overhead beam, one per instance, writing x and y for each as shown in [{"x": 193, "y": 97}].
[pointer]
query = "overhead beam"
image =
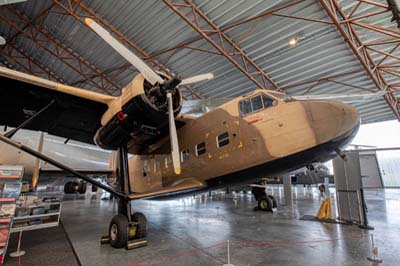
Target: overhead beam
[
  {"x": 255, "y": 19},
  {"x": 37, "y": 20},
  {"x": 58, "y": 50},
  {"x": 193, "y": 16},
  {"x": 30, "y": 65},
  {"x": 80, "y": 11},
  {"x": 351, "y": 37}
]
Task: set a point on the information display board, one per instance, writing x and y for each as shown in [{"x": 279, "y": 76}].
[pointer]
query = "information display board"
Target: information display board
[{"x": 10, "y": 189}]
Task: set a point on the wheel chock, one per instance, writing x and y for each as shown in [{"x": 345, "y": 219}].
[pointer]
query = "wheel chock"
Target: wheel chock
[
  {"x": 136, "y": 243},
  {"x": 105, "y": 240}
]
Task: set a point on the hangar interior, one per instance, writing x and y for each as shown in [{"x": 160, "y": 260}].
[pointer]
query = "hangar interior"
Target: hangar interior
[{"x": 344, "y": 50}]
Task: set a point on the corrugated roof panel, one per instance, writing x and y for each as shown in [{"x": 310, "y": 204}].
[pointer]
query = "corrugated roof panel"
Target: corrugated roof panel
[{"x": 320, "y": 50}]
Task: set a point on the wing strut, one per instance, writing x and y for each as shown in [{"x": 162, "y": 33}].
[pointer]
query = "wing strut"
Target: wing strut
[
  {"x": 12, "y": 132},
  {"x": 67, "y": 169}
]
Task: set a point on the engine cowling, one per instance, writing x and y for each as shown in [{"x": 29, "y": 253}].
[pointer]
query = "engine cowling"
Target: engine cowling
[{"x": 138, "y": 117}]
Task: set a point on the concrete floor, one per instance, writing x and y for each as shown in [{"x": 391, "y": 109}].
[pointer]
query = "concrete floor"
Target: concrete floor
[
  {"x": 193, "y": 231},
  {"x": 45, "y": 247}
]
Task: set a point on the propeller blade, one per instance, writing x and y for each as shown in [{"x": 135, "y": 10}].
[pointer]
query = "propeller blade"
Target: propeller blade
[
  {"x": 173, "y": 136},
  {"x": 143, "y": 68},
  {"x": 197, "y": 78},
  {"x": 347, "y": 98},
  {"x": 36, "y": 170}
]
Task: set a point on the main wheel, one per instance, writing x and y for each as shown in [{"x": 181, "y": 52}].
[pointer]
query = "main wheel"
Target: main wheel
[
  {"x": 118, "y": 231},
  {"x": 265, "y": 204},
  {"x": 141, "y": 229},
  {"x": 82, "y": 187},
  {"x": 94, "y": 188},
  {"x": 70, "y": 187},
  {"x": 66, "y": 187},
  {"x": 274, "y": 203}
]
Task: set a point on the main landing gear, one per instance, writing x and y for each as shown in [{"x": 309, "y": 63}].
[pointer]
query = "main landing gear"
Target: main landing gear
[
  {"x": 129, "y": 233},
  {"x": 265, "y": 202},
  {"x": 72, "y": 187},
  {"x": 126, "y": 229}
]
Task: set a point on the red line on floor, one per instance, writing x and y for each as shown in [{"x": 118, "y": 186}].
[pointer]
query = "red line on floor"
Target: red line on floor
[
  {"x": 176, "y": 255},
  {"x": 237, "y": 243}
]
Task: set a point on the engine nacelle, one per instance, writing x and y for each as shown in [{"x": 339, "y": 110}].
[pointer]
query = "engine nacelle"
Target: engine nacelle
[{"x": 138, "y": 117}]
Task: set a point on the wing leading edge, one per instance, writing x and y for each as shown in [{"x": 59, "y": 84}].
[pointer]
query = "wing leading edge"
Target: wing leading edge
[{"x": 76, "y": 113}]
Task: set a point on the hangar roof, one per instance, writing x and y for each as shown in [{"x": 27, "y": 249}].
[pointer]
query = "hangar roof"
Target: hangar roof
[{"x": 295, "y": 46}]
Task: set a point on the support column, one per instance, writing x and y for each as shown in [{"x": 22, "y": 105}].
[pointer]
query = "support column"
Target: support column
[{"x": 287, "y": 189}]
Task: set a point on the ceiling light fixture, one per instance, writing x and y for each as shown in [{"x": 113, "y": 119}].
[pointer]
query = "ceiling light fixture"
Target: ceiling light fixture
[{"x": 293, "y": 42}]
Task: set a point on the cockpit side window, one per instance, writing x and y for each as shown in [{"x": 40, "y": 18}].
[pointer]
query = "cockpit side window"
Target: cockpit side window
[
  {"x": 256, "y": 103},
  {"x": 268, "y": 102},
  {"x": 245, "y": 107}
]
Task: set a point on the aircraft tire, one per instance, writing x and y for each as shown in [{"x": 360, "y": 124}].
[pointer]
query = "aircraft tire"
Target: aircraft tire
[
  {"x": 274, "y": 202},
  {"x": 118, "y": 231},
  {"x": 66, "y": 187},
  {"x": 141, "y": 229},
  {"x": 70, "y": 187},
  {"x": 82, "y": 187},
  {"x": 94, "y": 188},
  {"x": 265, "y": 204}
]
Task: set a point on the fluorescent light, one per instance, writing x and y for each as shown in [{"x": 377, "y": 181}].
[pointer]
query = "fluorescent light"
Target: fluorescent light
[
  {"x": 2, "y": 41},
  {"x": 7, "y": 2}
]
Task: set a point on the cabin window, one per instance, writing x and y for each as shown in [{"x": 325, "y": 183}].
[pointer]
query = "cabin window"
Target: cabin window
[
  {"x": 268, "y": 102},
  {"x": 223, "y": 139},
  {"x": 256, "y": 103},
  {"x": 200, "y": 148},
  {"x": 184, "y": 155},
  {"x": 245, "y": 107}
]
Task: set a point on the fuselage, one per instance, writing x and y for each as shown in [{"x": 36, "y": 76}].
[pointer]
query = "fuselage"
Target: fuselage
[
  {"x": 249, "y": 137},
  {"x": 238, "y": 143}
]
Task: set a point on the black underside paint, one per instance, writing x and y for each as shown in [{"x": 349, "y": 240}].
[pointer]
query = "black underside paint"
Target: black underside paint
[{"x": 321, "y": 153}]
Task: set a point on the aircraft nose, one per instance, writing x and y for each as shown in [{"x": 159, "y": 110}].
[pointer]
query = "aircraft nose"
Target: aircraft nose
[{"x": 333, "y": 119}]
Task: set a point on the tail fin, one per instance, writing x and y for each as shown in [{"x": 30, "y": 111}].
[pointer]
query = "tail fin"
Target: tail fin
[{"x": 36, "y": 170}]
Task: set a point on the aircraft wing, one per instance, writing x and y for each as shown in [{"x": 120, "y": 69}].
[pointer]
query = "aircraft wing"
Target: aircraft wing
[{"x": 75, "y": 114}]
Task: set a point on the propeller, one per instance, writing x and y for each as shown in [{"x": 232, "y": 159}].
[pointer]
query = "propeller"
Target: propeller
[
  {"x": 347, "y": 98},
  {"x": 36, "y": 170},
  {"x": 173, "y": 136},
  {"x": 143, "y": 68},
  {"x": 201, "y": 106},
  {"x": 151, "y": 76},
  {"x": 197, "y": 78}
]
